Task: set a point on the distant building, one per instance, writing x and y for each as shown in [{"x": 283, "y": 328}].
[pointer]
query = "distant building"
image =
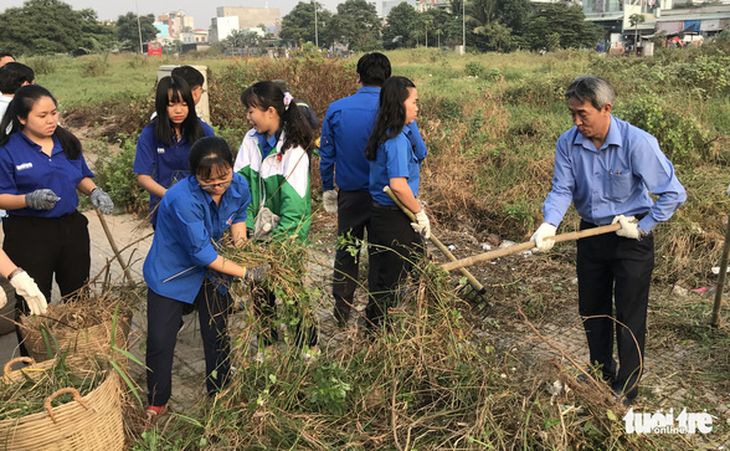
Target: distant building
[
  {"x": 222, "y": 27},
  {"x": 250, "y": 17},
  {"x": 201, "y": 35},
  {"x": 425, "y": 5},
  {"x": 177, "y": 22}
]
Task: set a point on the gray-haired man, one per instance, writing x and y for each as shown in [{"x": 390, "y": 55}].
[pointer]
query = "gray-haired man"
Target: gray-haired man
[{"x": 607, "y": 168}]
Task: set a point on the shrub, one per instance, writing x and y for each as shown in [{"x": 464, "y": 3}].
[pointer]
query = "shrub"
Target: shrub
[
  {"x": 681, "y": 137},
  {"x": 41, "y": 65},
  {"x": 95, "y": 66},
  {"x": 114, "y": 175}
]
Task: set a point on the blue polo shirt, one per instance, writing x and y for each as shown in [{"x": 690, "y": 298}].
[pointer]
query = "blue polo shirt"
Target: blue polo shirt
[
  {"x": 166, "y": 165},
  {"x": 613, "y": 180},
  {"x": 24, "y": 168},
  {"x": 395, "y": 158},
  {"x": 345, "y": 132},
  {"x": 189, "y": 226}
]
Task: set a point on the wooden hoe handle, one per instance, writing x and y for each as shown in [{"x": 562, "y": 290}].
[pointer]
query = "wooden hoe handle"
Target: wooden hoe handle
[{"x": 526, "y": 246}]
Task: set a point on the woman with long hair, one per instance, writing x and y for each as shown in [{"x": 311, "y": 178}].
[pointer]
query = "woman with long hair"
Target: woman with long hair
[
  {"x": 393, "y": 162},
  {"x": 164, "y": 145},
  {"x": 273, "y": 158},
  {"x": 183, "y": 266},
  {"x": 41, "y": 169}
]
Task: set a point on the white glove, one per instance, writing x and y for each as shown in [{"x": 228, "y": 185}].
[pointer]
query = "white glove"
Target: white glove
[
  {"x": 422, "y": 224},
  {"x": 329, "y": 199},
  {"x": 25, "y": 286},
  {"x": 542, "y": 235},
  {"x": 3, "y": 298},
  {"x": 629, "y": 227}
]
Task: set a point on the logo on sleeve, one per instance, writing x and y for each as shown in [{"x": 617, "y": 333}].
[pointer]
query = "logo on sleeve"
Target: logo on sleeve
[
  {"x": 230, "y": 220},
  {"x": 24, "y": 166},
  {"x": 160, "y": 150}
]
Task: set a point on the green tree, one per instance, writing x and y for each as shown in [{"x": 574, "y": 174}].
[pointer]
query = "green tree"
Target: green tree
[
  {"x": 50, "y": 26},
  {"x": 298, "y": 26},
  {"x": 356, "y": 24},
  {"x": 635, "y": 20},
  {"x": 401, "y": 21},
  {"x": 128, "y": 31},
  {"x": 559, "y": 26},
  {"x": 498, "y": 37}
]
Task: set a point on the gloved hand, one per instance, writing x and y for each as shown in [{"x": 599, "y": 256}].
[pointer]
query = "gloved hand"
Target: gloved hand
[
  {"x": 41, "y": 199},
  {"x": 25, "y": 286},
  {"x": 101, "y": 200},
  {"x": 542, "y": 235},
  {"x": 256, "y": 275},
  {"x": 629, "y": 227},
  {"x": 329, "y": 199},
  {"x": 422, "y": 224},
  {"x": 3, "y": 298}
]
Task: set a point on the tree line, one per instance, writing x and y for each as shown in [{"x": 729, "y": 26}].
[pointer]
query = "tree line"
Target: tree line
[
  {"x": 487, "y": 25},
  {"x": 52, "y": 26}
]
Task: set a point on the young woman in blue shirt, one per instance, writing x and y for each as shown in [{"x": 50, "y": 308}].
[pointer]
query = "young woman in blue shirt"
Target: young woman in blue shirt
[
  {"x": 393, "y": 162},
  {"x": 164, "y": 145},
  {"x": 184, "y": 268},
  {"x": 41, "y": 169}
]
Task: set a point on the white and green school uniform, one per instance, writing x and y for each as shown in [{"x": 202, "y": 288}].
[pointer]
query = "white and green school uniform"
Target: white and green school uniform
[{"x": 279, "y": 182}]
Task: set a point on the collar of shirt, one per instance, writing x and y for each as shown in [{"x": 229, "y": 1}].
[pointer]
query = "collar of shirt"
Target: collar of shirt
[
  {"x": 369, "y": 90},
  {"x": 56, "y": 144},
  {"x": 266, "y": 144},
  {"x": 613, "y": 138}
]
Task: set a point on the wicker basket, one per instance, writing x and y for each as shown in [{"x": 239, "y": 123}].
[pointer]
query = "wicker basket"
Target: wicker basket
[
  {"x": 89, "y": 341},
  {"x": 89, "y": 423}
]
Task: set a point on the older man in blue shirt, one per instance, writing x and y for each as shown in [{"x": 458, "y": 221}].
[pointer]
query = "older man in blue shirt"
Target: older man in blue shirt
[
  {"x": 345, "y": 132},
  {"x": 607, "y": 168}
]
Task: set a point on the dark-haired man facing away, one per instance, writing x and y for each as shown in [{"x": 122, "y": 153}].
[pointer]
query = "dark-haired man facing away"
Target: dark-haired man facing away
[{"x": 345, "y": 132}]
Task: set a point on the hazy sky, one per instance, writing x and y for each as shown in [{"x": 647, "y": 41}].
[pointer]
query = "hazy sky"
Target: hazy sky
[{"x": 201, "y": 10}]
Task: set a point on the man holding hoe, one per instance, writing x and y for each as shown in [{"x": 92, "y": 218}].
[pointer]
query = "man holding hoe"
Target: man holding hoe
[{"x": 607, "y": 168}]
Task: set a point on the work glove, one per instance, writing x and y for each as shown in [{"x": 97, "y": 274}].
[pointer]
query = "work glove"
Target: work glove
[
  {"x": 422, "y": 224},
  {"x": 25, "y": 286},
  {"x": 629, "y": 227},
  {"x": 329, "y": 199},
  {"x": 3, "y": 298},
  {"x": 101, "y": 200},
  {"x": 256, "y": 275},
  {"x": 41, "y": 199},
  {"x": 542, "y": 236}
]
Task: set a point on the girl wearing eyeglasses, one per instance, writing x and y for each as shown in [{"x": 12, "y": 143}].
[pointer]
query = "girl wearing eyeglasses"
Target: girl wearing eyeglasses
[
  {"x": 183, "y": 267},
  {"x": 164, "y": 145}
]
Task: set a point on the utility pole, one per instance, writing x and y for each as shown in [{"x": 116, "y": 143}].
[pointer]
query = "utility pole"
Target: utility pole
[
  {"x": 139, "y": 28},
  {"x": 463, "y": 24},
  {"x": 316, "y": 30}
]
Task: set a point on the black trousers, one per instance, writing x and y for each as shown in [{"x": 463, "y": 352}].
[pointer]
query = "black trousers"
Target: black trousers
[
  {"x": 48, "y": 246},
  {"x": 353, "y": 218},
  {"x": 612, "y": 267},
  {"x": 163, "y": 322},
  {"x": 395, "y": 246}
]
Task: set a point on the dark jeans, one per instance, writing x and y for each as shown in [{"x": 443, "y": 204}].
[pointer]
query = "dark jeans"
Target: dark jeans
[
  {"x": 395, "y": 246},
  {"x": 610, "y": 266},
  {"x": 163, "y": 322},
  {"x": 48, "y": 246},
  {"x": 353, "y": 218}
]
